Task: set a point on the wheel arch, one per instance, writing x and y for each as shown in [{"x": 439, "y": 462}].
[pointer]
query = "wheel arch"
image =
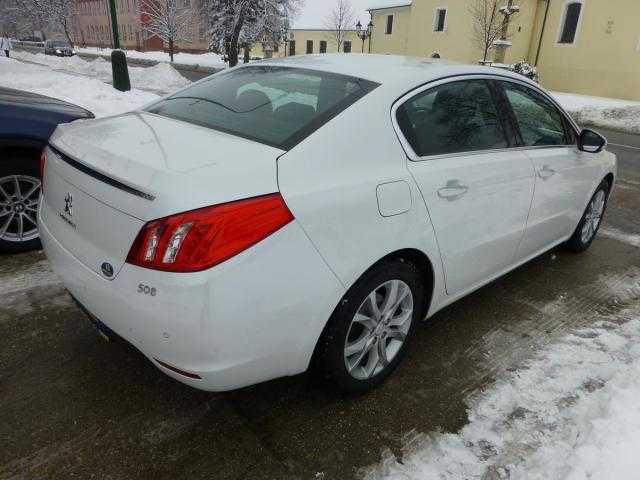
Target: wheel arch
[
  {"x": 609, "y": 177},
  {"x": 416, "y": 257},
  {"x": 22, "y": 148},
  {"x": 421, "y": 261}
]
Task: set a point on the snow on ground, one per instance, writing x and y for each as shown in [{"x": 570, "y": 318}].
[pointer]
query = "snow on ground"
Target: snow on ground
[
  {"x": 570, "y": 413},
  {"x": 623, "y": 115},
  {"x": 36, "y": 275},
  {"x": 161, "y": 78},
  {"x": 102, "y": 99},
  {"x": 624, "y": 237},
  {"x": 204, "y": 59}
]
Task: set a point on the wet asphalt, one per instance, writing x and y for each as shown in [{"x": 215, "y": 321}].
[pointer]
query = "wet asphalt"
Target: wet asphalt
[{"x": 75, "y": 406}]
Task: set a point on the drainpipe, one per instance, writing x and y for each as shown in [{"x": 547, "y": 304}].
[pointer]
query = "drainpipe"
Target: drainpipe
[{"x": 544, "y": 26}]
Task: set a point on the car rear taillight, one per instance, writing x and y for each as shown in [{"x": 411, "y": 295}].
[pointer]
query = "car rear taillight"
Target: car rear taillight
[
  {"x": 199, "y": 239},
  {"x": 43, "y": 162}
]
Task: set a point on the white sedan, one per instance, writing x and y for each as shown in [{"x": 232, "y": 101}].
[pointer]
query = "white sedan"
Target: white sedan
[{"x": 312, "y": 210}]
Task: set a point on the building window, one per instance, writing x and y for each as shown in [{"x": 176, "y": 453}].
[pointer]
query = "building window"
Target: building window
[
  {"x": 389, "y": 29},
  {"x": 347, "y": 47},
  {"x": 276, "y": 47},
  {"x": 440, "y": 20},
  {"x": 323, "y": 46},
  {"x": 309, "y": 46},
  {"x": 570, "y": 22},
  {"x": 292, "y": 47}
]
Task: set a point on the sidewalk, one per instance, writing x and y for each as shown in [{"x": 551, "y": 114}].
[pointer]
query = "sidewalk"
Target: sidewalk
[{"x": 207, "y": 63}]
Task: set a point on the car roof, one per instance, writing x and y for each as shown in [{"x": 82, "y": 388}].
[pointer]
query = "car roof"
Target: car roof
[{"x": 396, "y": 73}]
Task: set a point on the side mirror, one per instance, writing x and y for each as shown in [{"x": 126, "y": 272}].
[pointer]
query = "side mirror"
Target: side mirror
[{"x": 591, "y": 142}]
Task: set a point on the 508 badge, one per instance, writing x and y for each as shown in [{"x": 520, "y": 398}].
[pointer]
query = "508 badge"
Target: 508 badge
[{"x": 146, "y": 289}]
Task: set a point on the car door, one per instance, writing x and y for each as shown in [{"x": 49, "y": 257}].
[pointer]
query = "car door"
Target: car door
[
  {"x": 477, "y": 189},
  {"x": 562, "y": 172}
]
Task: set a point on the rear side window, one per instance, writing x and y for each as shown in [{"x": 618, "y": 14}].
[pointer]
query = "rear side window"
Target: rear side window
[
  {"x": 540, "y": 122},
  {"x": 452, "y": 118},
  {"x": 278, "y": 106}
]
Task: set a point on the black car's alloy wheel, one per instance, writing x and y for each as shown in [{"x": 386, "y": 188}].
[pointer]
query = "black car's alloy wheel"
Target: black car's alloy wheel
[{"x": 19, "y": 197}]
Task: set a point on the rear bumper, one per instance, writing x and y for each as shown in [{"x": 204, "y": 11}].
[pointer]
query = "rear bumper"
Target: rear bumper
[{"x": 253, "y": 318}]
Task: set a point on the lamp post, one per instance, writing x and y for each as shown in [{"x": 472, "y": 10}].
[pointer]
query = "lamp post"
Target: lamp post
[
  {"x": 284, "y": 35},
  {"x": 364, "y": 34}
]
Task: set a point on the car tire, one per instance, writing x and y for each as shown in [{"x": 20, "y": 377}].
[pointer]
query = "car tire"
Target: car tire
[
  {"x": 341, "y": 356},
  {"x": 591, "y": 220},
  {"x": 26, "y": 170}
]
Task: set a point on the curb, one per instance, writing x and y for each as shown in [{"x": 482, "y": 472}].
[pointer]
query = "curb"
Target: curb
[{"x": 136, "y": 61}]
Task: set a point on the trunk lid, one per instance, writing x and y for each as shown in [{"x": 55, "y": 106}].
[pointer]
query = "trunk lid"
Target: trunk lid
[{"x": 105, "y": 178}]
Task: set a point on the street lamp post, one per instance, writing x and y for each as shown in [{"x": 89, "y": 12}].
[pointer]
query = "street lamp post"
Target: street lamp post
[{"x": 363, "y": 34}]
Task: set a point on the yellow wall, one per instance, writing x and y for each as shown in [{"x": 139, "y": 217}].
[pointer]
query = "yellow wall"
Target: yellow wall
[
  {"x": 605, "y": 58},
  {"x": 415, "y": 36},
  {"x": 396, "y": 42},
  {"x": 301, "y": 37}
]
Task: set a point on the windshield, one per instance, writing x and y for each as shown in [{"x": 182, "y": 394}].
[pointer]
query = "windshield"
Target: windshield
[
  {"x": 59, "y": 44},
  {"x": 278, "y": 106}
]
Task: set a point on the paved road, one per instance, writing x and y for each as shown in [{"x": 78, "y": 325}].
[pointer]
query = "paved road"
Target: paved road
[
  {"x": 73, "y": 406},
  {"x": 627, "y": 147}
]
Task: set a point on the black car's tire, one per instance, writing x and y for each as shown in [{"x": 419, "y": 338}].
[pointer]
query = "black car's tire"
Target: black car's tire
[
  {"x": 591, "y": 220},
  {"x": 343, "y": 335},
  {"x": 26, "y": 170}
]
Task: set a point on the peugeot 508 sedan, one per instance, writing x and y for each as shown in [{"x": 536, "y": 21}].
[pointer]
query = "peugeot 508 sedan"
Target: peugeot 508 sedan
[{"x": 311, "y": 210}]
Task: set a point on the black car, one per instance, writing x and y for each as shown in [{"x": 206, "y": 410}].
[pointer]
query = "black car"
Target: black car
[
  {"x": 27, "y": 120},
  {"x": 59, "y": 48}
]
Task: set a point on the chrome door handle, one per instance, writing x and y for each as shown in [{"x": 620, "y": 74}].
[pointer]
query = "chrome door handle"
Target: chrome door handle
[
  {"x": 546, "y": 172},
  {"x": 453, "y": 190}
]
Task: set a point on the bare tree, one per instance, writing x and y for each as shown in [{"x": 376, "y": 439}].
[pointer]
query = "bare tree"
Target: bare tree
[
  {"x": 233, "y": 23},
  {"x": 340, "y": 21},
  {"x": 167, "y": 21},
  {"x": 487, "y": 25},
  {"x": 490, "y": 20},
  {"x": 61, "y": 12},
  {"x": 22, "y": 18}
]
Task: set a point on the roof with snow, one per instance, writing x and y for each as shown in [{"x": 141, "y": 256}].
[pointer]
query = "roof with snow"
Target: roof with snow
[{"x": 390, "y": 4}]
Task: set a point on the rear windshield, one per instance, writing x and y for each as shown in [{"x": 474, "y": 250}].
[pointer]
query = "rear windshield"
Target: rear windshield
[{"x": 278, "y": 106}]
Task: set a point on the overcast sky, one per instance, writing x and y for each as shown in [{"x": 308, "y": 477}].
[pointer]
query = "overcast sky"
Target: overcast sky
[{"x": 314, "y": 12}]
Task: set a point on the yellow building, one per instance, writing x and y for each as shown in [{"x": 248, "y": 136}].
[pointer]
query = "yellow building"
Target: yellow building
[
  {"x": 582, "y": 46},
  {"x": 310, "y": 41}
]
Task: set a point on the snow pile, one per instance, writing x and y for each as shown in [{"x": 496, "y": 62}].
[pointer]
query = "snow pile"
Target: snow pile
[
  {"x": 208, "y": 59},
  {"x": 90, "y": 93},
  {"x": 162, "y": 78},
  {"x": 570, "y": 413},
  {"x": 622, "y": 115}
]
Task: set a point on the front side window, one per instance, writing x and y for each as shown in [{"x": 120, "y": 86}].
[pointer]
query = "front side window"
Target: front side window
[
  {"x": 278, "y": 106},
  {"x": 539, "y": 121},
  {"x": 570, "y": 22},
  {"x": 440, "y": 20},
  {"x": 452, "y": 118}
]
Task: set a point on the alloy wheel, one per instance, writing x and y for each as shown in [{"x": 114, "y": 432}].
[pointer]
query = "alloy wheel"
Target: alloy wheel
[
  {"x": 379, "y": 329},
  {"x": 19, "y": 196},
  {"x": 593, "y": 217}
]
